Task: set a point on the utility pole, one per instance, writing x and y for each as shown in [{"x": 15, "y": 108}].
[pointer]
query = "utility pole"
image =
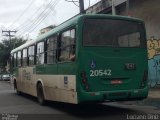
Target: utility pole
[
  {"x": 81, "y": 6},
  {"x": 113, "y": 8},
  {"x": 127, "y": 7},
  {"x": 8, "y": 34}
]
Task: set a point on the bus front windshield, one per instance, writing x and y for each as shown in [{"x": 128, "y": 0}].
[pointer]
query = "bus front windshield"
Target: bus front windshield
[{"x": 113, "y": 33}]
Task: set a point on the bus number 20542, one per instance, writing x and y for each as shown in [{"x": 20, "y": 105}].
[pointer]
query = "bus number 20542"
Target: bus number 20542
[{"x": 106, "y": 72}]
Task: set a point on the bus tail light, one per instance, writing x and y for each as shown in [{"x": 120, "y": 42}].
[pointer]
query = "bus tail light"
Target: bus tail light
[
  {"x": 116, "y": 81},
  {"x": 84, "y": 80},
  {"x": 145, "y": 77}
]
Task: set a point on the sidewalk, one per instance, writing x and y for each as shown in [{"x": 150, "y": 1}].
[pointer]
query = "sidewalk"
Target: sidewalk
[
  {"x": 154, "y": 93},
  {"x": 153, "y": 97}
]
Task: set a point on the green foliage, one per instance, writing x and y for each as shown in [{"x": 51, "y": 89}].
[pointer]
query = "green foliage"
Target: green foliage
[{"x": 5, "y": 48}]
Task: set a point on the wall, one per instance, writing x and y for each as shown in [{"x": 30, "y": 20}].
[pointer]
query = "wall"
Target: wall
[{"x": 148, "y": 10}]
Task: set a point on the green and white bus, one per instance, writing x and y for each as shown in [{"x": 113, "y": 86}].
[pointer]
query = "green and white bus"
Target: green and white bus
[{"x": 89, "y": 58}]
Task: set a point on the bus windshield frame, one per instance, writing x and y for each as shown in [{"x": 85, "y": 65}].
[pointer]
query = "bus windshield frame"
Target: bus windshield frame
[{"x": 113, "y": 33}]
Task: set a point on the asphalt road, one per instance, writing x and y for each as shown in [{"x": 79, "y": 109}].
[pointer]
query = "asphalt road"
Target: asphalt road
[{"x": 25, "y": 107}]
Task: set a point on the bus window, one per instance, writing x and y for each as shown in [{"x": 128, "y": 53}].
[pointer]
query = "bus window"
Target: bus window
[
  {"x": 67, "y": 46},
  {"x": 19, "y": 58},
  {"x": 51, "y": 49},
  {"x": 12, "y": 60},
  {"x": 31, "y": 54},
  {"x": 40, "y": 53},
  {"x": 15, "y": 59},
  {"x": 24, "y": 57},
  {"x": 112, "y": 33},
  {"x": 129, "y": 40}
]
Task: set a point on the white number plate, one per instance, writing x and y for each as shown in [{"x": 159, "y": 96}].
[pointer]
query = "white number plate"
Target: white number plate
[{"x": 106, "y": 72}]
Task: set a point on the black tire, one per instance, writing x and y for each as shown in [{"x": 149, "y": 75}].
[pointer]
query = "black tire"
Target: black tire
[
  {"x": 40, "y": 94},
  {"x": 15, "y": 87}
]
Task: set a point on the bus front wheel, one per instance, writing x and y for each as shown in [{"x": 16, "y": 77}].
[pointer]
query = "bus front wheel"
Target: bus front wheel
[
  {"x": 15, "y": 87},
  {"x": 40, "y": 94}
]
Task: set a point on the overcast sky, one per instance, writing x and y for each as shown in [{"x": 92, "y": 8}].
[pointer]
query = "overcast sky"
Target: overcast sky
[{"x": 29, "y": 16}]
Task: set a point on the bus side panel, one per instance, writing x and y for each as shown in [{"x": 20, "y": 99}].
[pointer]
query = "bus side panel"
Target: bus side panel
[
  {"x": 60, "y": 88},
  {"x": 57, "y": 86},
  {"x": 27, "y": 80}
]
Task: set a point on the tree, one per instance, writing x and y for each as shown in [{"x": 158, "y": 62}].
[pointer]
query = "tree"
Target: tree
[{"x": 5, "y": 48}]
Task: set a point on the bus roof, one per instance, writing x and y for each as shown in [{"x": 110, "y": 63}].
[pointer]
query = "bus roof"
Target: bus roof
[{"x": 71, "y": 22}]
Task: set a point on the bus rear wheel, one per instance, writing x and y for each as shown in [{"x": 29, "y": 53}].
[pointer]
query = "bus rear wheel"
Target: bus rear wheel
[{"x": 40, "y": 94}]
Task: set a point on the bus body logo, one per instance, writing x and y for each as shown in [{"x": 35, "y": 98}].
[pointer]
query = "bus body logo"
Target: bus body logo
[{"x": 93, "y": 64}]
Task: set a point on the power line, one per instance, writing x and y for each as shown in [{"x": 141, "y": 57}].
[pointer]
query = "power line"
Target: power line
[
  {"x": 74, "y": 2},
  {"x": 20, "y": 16},
  {"x": 28, "y": 27},
  {"x": 71, "y": 1},
  {"x": 24, "y": 24},
  {"x": 81, "y": 5},
  {"x": 41, "y": 17}
]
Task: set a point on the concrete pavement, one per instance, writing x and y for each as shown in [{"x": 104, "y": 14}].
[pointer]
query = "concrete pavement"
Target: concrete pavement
[
  {"x": 27, "y": 108},
  {"x": 153, "y": 97},
  {"x": 154, "y": 93}
]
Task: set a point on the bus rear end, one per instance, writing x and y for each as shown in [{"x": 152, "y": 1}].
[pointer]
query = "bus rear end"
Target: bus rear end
[{"x": 112, "y": 60}]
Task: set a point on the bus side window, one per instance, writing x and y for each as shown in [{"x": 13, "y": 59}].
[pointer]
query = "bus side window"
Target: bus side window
[
  {"x": 40, "y": 53},
  {"x": 67, "y": 46},
  {"x": 19, "y": 58},
  {"x": 51, "y": 49},
  {"x": 12, "y": 61},
  {"x": 15, "y": 60},
  {"x": 24, "y": 57},
  {"x": 31, "y": 54}
]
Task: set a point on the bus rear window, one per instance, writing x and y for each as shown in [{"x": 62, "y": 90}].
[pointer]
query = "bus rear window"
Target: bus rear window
[{"x": 113, "y": 33}]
